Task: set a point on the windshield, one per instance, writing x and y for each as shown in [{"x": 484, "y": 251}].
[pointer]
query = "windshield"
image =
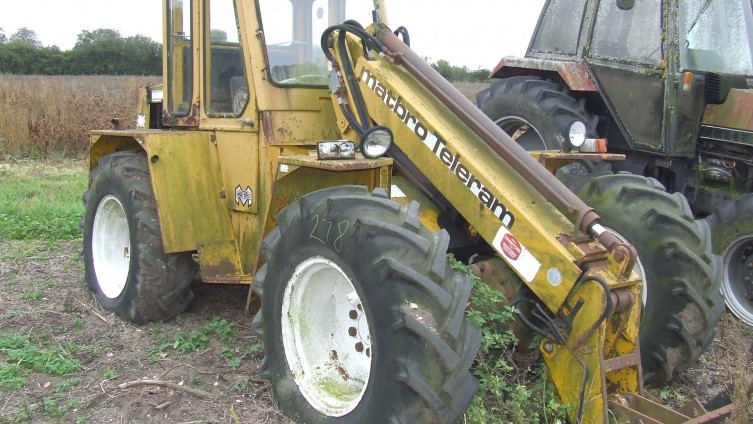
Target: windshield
[
  {"x": 293, "y": 29},
  {"x": 717, "y": 36}
]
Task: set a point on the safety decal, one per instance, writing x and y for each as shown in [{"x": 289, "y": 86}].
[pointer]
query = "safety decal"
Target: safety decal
[
  {"x": 141, "y": 121},
  {"x": 244, "y": 196},
  {"x": 513, "y": 251}
]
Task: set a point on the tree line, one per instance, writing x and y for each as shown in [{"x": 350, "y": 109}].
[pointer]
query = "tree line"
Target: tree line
[
  {"x": 97, "y": 52},
  {"x": 106, "y": 52}
]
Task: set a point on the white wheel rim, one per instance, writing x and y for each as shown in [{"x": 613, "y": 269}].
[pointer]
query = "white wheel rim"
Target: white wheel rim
[
  {"x": 111, "y": 246},
  {"x": 737, "y": 266},
  {"x": 326, "y": 337}
]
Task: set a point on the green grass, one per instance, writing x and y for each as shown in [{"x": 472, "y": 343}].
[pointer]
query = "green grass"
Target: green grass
[
  {"x": 42, "y": 201},
  {"x": 22, "y": 353},
  {"x": 218, "y": 328}
]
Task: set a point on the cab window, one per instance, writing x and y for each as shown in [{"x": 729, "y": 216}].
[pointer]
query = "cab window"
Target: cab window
[
  {"x": 293, "y": 30},
  {"x": 632, "y": 35},
  {"x": 225, "y": 87},
  {"x": 179, "y": 57}
]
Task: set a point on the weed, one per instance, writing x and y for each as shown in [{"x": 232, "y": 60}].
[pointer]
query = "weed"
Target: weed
[
  {"x": 109, "y": 374},
  {"x": 33, "y": 294},
  {"x": 505, "y": 393},
  {"x": 196, "y": 340},
  {"x": 197, "y": 380},
  {"x": 66, "y": 385},
  {"x": 78, "y": 324},
  {"x": 37, "y": 355},
  {"x": 670, "y": 394},
  {"x": 10, "y": 378}
]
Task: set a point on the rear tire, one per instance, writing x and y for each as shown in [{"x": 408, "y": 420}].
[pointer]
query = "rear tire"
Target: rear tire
[
  {"x": 536, "y": 112},
  {"x": 125, "y": 264},
  {"x": 732, "y": 234},
  {"x": 362, "y": 317},
  {"x": 683, "y": 301}
]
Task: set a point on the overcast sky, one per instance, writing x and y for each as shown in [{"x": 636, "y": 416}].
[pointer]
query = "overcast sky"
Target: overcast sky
[{"x": 476, "y": 35}]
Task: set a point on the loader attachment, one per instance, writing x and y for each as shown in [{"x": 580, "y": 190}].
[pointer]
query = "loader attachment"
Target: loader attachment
[{"x": 587, "y": 295}]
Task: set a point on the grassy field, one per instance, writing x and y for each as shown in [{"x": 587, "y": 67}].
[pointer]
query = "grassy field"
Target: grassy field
[{"x": 50, "y": 116}]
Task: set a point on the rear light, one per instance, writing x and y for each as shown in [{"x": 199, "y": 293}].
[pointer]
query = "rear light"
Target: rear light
[{"x": 594, "y": 145}]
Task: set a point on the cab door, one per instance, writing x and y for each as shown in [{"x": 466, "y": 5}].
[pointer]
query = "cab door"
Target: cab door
[
  {"x": 626, "y": 56},
  {"x": 229, "y": 112}
]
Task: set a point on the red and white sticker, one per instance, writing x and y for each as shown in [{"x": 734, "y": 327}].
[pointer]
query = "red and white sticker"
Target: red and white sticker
[
  {"x": 512, "y": 251},
  {"x": 511, "y": 247}
]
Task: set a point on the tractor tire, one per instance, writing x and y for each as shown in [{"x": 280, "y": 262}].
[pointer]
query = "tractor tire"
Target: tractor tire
[
  {"x": 682, "y": 303},
  {"x": 732, "y": 237},
  {"x": 363, "y": 320},
  {"x": 535, "y": 112},
  {"x": 125, "y": 264}
]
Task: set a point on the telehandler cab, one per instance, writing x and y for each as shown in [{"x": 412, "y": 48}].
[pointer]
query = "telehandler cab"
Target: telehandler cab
[{"x": 289, "y": 149}]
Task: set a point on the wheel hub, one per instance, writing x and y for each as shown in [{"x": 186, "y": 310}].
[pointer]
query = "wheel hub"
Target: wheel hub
[
  {"x": 111, "y": 246},
  {"x": 737, "y": 278},
  {"x": 326, "y": 337},
  {"x": 522, "y": 132}
]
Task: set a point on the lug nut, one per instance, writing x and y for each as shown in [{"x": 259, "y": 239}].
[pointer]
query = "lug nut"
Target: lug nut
[
  {"x": 359, "y": 347},
  {"x": 352, "y": 331},
  {"x": 353, "y": 314}
]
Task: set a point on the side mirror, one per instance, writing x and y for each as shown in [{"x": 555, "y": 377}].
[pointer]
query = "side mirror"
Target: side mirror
[{"x": 625, "y": 4}]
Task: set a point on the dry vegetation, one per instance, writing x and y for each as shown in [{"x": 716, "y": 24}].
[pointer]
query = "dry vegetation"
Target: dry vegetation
[{"x": 50, "y": 116}]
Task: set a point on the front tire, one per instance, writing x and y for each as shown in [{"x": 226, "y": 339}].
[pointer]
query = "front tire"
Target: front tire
[
  {"x": 535, "y": 112},
  {"x": 683, "y": 303},
  {"x": 362, "y": 317},
  {"x": 732, "y": 234},
  {"x": 125, "y": 264}
]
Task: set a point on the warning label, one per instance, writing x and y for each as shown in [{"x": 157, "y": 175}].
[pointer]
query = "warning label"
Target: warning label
[
  {"x": 511, "y": 246},
  {"x": 512, "y": 251}
]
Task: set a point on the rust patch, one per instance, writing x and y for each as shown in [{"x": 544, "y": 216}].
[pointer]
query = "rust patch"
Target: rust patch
[
  {"x": 735, "y": 112},
  {"x": 266, "y": 124},
  {"x": 573, "y": 73}
]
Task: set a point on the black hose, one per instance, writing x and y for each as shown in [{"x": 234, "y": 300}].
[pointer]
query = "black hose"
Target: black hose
[
  {"x": 402, "y": 32},
  {"x": 350, "y": 79}
]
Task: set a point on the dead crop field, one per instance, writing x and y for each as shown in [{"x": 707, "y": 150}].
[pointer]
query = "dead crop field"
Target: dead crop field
[
  {"x": 65, "y": 360},
  {"x": 50, "y": 116}
]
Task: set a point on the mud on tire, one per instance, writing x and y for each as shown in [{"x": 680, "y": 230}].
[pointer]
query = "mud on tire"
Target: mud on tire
[
  {"x": 125, "y": 264},
  {"x": 405, "y": 297},
  {"x": 683, "y": 300}
]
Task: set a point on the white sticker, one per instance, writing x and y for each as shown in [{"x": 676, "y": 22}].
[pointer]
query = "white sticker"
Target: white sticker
[
  {"x": 283, "y": 168},
  {"x": 516, "y": 254},
  {"x": 141, "y": 121},
  {"x": 244, "y": 197},
  {"x": 395, "y": 192}
]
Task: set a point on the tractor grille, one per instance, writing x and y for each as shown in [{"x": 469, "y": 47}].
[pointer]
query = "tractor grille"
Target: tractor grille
[{"x": 726, "y": 143}]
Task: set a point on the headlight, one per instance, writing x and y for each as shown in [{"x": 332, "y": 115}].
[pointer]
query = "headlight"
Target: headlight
[
  {"x": 375, "y": 142},
  {"x": 577, "y": 134}
]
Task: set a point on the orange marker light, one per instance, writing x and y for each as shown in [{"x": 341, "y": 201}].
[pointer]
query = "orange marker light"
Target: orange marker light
[{"x": 687, "y": 82}]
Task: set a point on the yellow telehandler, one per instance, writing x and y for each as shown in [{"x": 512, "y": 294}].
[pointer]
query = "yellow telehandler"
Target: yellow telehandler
[{"x": 289, "y": 149}]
